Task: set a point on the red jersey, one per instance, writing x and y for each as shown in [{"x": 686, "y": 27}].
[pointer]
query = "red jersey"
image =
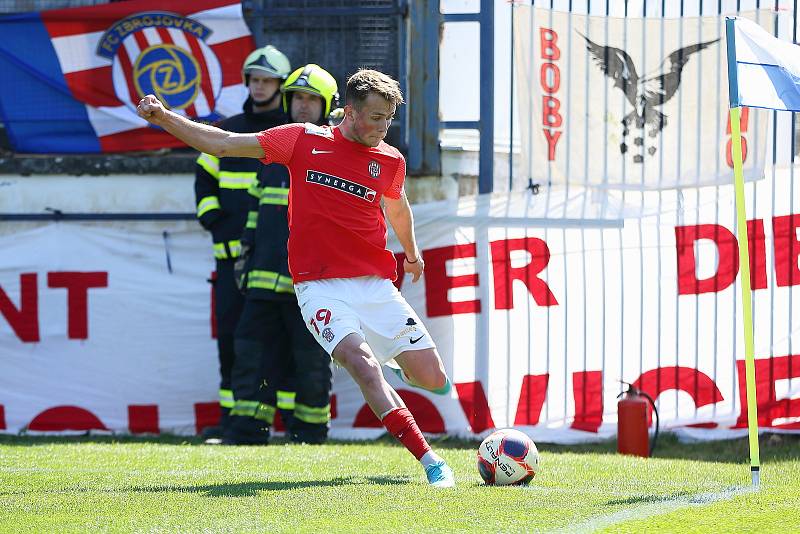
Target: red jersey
[{"x": 337, "y": 228}]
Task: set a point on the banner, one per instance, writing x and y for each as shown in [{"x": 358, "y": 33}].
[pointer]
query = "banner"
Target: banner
[
  {"x": 629, "y": 103},
  {"x": 78, "y": 92},
  {"x": 539, "y": 305}
]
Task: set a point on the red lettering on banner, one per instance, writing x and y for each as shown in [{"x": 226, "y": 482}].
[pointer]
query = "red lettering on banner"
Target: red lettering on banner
[
  {"x": 475, "y": 406},
  {"x": 143, "y": 418},
  {"x": 743, "y": 125},
  {"x": 66, "y": 418},
  {"x": 587, "y": 390},
  {"x": 531, "y": 399},
  {"x": 77, "y": 285},
  {"x": 727, "y": 252},
  {"x": 213, "y": 318},
  {"x": 757, "y": 252},
  {"x": 551, "y": 118},
  {"x": 770, "y": 408},
  {"x": 786, "y": 243},
  {"x": 424, "y": 411},
  {"x": 504, "y": 274},
  {"x": 550, "y": 77},
  {"x": 206, "y": 414},
  {"x": 547, "y": 42},
  {"x": 786, "y": 247},
  {"x": 438, "y": 282},
  {"x": 550, "y": 82},
  {"x": 277, "y": 422},
  {"x": 399, "y": 258},
  {"x": 552, "y": 139},
  {"x": 696, "y": 383},
  {"x": 24, "y": 321}
]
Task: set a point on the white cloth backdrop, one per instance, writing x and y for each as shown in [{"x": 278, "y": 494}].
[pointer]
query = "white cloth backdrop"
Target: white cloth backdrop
[
  {"x": 573, "y": 73},
  {"x": 93, "y": 319}
]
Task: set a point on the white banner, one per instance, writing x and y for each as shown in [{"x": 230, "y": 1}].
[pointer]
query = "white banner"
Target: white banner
[
  {"x": 629, "y": 103},
  {"x": 539, "y": 304}
]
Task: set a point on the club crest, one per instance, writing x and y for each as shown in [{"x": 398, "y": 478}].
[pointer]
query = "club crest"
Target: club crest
[
  {"x": 163, "y": 54},
  {"x": 374, "y": 169}
]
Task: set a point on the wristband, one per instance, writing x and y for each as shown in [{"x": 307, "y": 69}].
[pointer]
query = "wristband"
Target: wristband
[{"x": 409, "y": 261}]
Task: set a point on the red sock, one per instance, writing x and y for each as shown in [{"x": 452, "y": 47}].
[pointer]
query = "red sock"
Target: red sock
[{"x": 400, "y": 423}]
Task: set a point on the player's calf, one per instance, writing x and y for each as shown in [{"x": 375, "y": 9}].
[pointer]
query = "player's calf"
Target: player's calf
[
  {"x": 439, "y": 385},
  {"x": 423, "y": 369}
]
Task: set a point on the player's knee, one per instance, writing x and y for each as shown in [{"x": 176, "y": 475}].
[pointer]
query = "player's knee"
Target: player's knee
[{"x": 360, "y": 364}]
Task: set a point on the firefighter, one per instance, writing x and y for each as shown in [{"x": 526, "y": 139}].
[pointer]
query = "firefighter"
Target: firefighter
[
  {"x": 271, "y": 338},
  {"x": 221, "y": 186}
]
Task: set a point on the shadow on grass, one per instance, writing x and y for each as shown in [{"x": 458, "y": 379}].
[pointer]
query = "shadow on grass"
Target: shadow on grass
[
  {"x": 774, "y": 447},
  {"x": 252, "y": 489}
]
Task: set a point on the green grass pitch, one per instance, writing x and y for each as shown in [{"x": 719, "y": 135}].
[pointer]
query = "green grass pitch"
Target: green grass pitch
[{"x": 172, "y": 484}]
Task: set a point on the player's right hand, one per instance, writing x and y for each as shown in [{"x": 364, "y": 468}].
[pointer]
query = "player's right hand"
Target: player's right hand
[
  {"x": 151, "y": 109},
  {"x": 415, "y": 269}
]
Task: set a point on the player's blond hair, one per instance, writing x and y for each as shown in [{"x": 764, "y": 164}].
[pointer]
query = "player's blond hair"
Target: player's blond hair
[{"x": 367, "y": 81}]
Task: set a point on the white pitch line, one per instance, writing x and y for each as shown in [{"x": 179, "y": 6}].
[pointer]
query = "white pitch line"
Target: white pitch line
[{"x": 651, "y": 509}]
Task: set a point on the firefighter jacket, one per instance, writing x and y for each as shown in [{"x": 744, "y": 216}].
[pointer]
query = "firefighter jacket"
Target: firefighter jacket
[
  {"x": 266, "y": 235},
  {"x": 221, "y": 184}
]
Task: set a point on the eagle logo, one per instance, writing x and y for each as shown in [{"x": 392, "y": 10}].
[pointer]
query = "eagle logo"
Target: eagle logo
[{"x": 645, "y": 93}]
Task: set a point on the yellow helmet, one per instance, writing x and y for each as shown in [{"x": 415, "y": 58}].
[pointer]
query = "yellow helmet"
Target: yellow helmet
[
  {"x": 315, "y": 80},
  {"x": 268, "y": 61}
]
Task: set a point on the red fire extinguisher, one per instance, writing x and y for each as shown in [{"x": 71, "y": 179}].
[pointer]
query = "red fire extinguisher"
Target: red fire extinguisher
[{"x": 632, "y": 425}]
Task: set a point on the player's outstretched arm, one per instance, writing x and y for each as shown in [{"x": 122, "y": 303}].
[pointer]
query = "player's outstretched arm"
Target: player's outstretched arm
[
  {"x": 203, "y": 137},
  {"x": 398, "y": 211}
]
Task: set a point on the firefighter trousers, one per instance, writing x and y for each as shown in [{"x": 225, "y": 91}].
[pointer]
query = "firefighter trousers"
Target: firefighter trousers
[
  {"x": 272, "y": 344},
  {"x": 228, "y": 305}
]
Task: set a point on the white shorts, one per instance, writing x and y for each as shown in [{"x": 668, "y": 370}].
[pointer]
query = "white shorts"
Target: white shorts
[{"x": 368, "y": 306}]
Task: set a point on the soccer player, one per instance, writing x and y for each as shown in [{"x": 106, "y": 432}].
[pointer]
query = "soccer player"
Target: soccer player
[
  {"x": 272, "y": 340},
  {"x": 338, "y": 259}
]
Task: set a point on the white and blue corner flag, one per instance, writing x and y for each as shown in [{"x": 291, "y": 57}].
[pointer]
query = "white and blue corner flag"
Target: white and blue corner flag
[{"x": 763, "y": 71}]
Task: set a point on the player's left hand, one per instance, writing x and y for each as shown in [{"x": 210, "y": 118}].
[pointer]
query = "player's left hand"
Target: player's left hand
[{"x": 415, "y": 268}]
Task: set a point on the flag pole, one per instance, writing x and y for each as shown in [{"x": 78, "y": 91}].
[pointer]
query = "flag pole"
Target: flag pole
[{"x": 744, "y": 255}]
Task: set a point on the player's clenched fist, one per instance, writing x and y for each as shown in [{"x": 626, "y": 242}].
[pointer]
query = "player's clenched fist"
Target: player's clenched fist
[{"x": 151, "y": 109}]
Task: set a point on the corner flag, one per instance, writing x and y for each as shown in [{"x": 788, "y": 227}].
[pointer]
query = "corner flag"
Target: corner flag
[{"x": 763, "y": 72}]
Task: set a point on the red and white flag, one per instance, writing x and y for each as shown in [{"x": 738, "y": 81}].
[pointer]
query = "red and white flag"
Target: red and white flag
[{"x": 189, "y": 54}]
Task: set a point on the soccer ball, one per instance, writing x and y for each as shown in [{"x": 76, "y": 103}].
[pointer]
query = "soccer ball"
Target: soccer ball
[{"x": 507, "y": 457}]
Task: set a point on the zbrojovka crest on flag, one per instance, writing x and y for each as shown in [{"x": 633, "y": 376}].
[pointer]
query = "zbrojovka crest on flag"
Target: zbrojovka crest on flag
[{"x": 78, "y": 91}]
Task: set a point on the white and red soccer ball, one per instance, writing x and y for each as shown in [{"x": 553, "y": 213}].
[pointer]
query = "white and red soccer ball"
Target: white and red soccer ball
[{"x": 507, "y": 457}]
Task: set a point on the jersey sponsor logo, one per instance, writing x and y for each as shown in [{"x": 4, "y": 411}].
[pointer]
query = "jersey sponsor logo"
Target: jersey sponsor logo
[
  {"x": 317, "y": 151},
  {"x": 410, "y": 327},
  {"x": 166, "y": 55},
  {"x": 340, "y": 184},
  {"x": 405, "y": 331},
  {"x": 374, "y": 169},
  {"x": 412, "y": 340}
]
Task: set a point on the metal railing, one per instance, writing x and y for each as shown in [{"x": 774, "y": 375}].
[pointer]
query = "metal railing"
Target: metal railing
[{"x": 634, "y": 324}]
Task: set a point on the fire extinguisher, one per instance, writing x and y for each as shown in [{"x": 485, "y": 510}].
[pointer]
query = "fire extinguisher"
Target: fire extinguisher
[{"x": 632, "y": 428}]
